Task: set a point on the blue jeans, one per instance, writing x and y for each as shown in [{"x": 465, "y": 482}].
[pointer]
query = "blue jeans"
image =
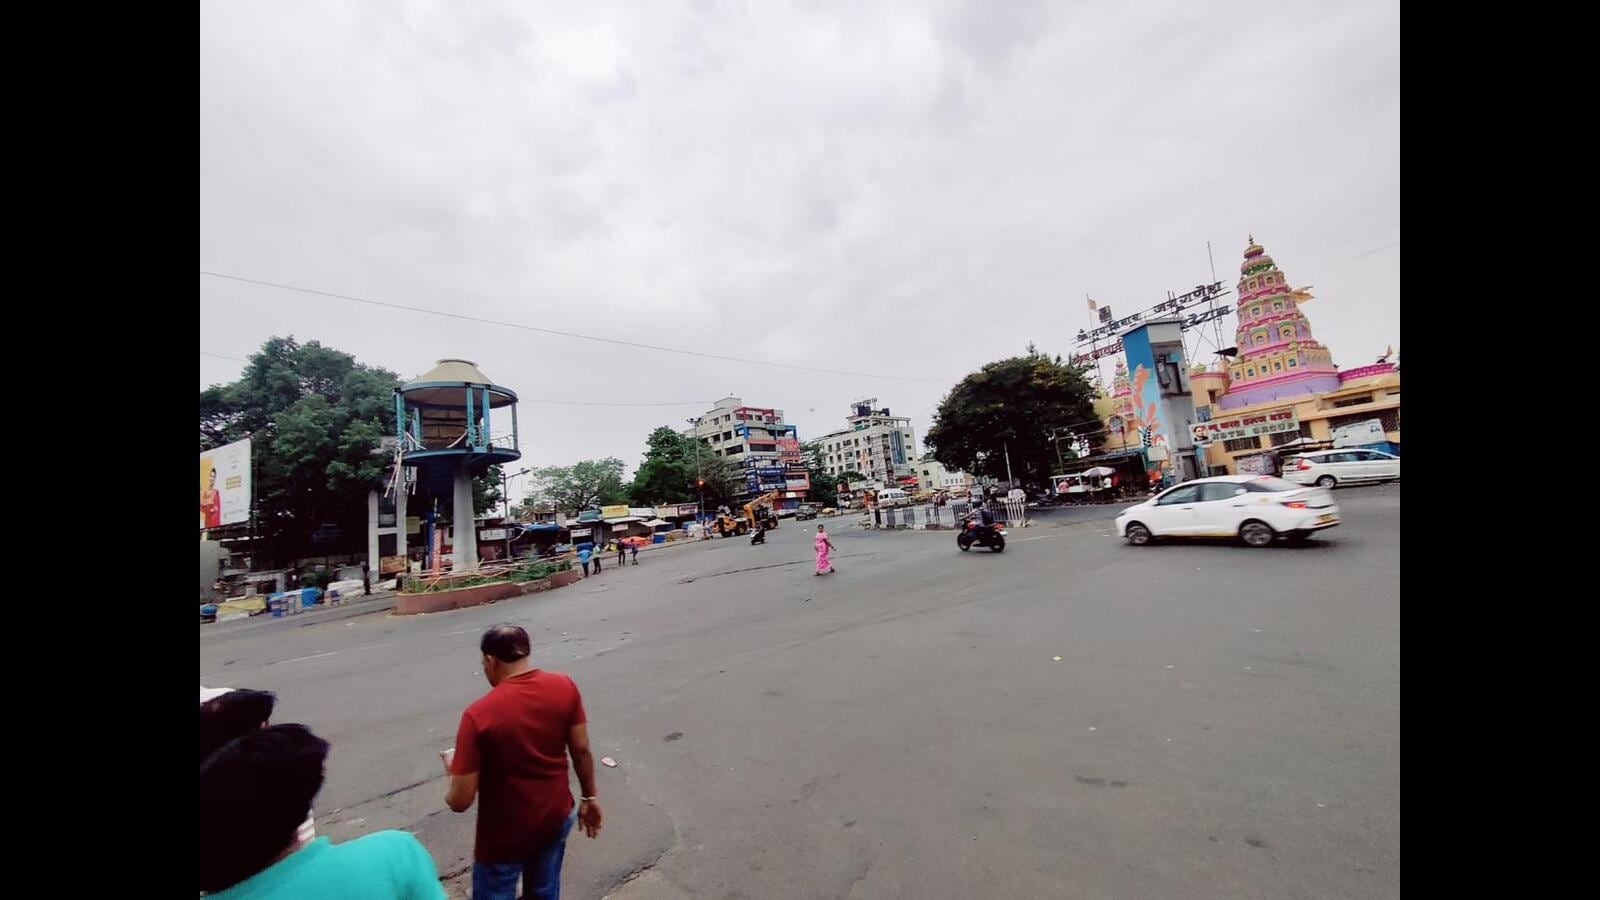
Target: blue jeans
[{"x": 541, "y": 872}]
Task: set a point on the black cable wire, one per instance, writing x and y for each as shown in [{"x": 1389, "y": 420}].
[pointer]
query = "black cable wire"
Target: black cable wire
[{"x": 551, "y": 331}]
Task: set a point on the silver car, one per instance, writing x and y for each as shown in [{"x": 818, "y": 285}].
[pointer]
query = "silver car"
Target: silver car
[{"x": 1330, "y": 468}]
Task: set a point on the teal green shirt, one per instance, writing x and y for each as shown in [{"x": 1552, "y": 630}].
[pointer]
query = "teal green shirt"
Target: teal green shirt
[{"x": 384, "y": 865}]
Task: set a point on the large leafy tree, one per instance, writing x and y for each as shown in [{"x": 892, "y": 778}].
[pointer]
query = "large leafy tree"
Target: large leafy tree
[
  {"x": 669, "y": 470},
  {"x": 1012, "y": 405},
  {"x": 314, "y": 416},
  {"x": 824, "y": 486},
  {"x": 584, "y": 484}
]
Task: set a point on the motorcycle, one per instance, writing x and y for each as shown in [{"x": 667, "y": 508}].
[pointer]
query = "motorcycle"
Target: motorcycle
[
  {"x": 975, "y": 532},
  {"x": 759, "y": 537}
]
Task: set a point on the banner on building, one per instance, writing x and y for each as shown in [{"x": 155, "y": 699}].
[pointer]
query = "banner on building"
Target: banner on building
[
  {"x": 1355, "y": 434},
  {"x": 789, "y": 450},
  {"x": 619, "y": 511},
  {"x": 225, "y": 485},
  {"x": 1231, "y": 428}
]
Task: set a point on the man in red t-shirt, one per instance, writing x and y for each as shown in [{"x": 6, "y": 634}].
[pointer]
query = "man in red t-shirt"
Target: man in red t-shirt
[{"x": 512, "y": 748}]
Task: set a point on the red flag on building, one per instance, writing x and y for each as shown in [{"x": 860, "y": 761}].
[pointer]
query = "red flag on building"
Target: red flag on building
[{"x": 1092, "y": 307}]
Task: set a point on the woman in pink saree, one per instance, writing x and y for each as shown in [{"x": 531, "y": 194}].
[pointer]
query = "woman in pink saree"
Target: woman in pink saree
[{"x": 824, "y": 546}]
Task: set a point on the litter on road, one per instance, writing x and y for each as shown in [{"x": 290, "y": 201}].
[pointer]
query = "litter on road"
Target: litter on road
[{"x": 608, "y": 761}]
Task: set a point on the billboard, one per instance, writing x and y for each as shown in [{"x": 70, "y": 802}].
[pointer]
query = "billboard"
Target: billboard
[
  {"x": 1354, "y": 434},
  {"x": 615, "y": 511},
  {"x": 225, "y": 485},
  {"x": 1229, "y": 428},
  {"x": 789, "y": 450}
]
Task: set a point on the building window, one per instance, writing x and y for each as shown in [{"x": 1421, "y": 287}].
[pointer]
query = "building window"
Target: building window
[
  {"x": 1352, "y": 401},
  {"x": 1250, "y": 372},
  {"x": 1291, "y": 362},
  {"x": 1277, "y": 365},
  {"x": 1277, "y": 306},
  {"x": 1239, "y": 445}
]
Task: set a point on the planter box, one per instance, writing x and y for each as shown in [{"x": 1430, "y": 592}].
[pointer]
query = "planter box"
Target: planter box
[
  {"x": 536, "y": 587},
  {"x": 461, "y": 598},
  {"x": 562, "y": 579}
]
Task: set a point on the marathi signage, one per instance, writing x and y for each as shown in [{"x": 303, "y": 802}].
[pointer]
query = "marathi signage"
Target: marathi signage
[
  {"x": 391, "y": 565},
  {"x": 677, "y": 510},
  {"x": 1230, "y": 428},
  {"x": 491, "y": 534},
  {"x": 1203, "y": 293},
  {"x": 225, "y": 485},
  {"x": 619, "y": 511}
]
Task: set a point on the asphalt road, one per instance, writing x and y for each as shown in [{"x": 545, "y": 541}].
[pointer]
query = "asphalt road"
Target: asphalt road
[{"x": 1221, "y": 722}]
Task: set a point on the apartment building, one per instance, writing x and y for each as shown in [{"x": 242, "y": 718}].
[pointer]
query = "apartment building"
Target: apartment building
[
  {"x": 875, "y": 443},
  {"x": 757, "y": 440}
]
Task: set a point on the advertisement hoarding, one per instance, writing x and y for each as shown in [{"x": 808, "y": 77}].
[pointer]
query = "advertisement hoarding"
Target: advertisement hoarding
[
  {"x": 1229, "y": 428},
  {"x": 618, "y": 511},
  {"x": 225, "y": 485},
  {"x": 1355, "y": 434}
]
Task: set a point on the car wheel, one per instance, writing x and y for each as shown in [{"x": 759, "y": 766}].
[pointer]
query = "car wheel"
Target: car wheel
[
  {"x": 1138, "y": 535},
  {"x": 1327, "y": 481},
  {"x": 1257, "y": 533}
]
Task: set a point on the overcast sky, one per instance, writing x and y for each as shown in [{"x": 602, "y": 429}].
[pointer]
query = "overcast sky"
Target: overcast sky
[{"x": 891, "y": 189}]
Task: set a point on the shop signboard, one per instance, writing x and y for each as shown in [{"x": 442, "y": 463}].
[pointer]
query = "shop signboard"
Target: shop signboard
[
  {"x": 491, "y": 534},
  {"x": 617, "y": 511},
  {"x": 1229, "y": 428},
  {"x": 798, "y": 481},
  {"x": 789, "y": 450}
]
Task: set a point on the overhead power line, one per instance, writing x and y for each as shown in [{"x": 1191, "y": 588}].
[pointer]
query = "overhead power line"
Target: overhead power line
[
  {"x": 705, "y": 403},
  {"x": 556, "y": 333}
]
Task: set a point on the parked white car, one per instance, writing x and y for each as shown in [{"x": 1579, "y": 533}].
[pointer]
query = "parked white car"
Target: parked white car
[
  {"x": 1330, "y": 468},
  {"x": 1257, "y": 509}
]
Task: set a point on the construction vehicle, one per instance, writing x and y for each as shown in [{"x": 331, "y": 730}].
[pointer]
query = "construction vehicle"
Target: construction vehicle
[
  {"x": 758, "y": 510},
  {"x": 725, "y": 525}
]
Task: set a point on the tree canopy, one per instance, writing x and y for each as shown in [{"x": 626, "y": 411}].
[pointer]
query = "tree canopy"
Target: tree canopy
[
  {"x": 668, "y": 472},
  {"x": 314, "y": 416},
  {"x": 584, "y": 484},
  {"x": 1012, "y": 404}
]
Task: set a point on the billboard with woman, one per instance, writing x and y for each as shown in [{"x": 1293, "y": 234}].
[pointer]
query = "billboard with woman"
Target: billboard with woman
[{"x": 225, "y": 485}]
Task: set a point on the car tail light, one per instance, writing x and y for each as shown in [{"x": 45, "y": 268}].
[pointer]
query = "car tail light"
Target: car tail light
[
  {"x": 1304, "y": 465},
  {"x": 1296, "y": 504}
]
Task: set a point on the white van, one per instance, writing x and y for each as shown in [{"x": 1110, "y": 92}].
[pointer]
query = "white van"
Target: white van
[{"x": 892, "y": 497}]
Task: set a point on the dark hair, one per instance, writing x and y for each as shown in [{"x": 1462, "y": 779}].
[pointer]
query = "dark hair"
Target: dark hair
[
  {"x": 234, "y": 714},
  {"x": 254, "y": 793},
  {"x": 507, "y": 643}
]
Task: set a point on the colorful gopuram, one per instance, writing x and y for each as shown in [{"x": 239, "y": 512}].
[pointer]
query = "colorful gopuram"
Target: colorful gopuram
[{"x": 1278, "y": 358}]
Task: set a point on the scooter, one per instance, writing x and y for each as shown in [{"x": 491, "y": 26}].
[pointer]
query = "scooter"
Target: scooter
[
  {"x": 975, "y": 532},
  {"x": 759, "y": 536}
]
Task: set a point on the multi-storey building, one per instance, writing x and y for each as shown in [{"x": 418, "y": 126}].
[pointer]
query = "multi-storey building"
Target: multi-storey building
[
  {"x": 757, "y": 441},
  {"x": 876, "y": 444}
]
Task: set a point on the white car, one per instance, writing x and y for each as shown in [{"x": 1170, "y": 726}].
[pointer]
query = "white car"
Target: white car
[
  {"x": 1328, "y": 468},
  {"x": 1257, "y": 509}
]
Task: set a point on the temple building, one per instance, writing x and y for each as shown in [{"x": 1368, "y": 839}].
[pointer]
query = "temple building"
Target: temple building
[{"x": 1280, "y": 392}]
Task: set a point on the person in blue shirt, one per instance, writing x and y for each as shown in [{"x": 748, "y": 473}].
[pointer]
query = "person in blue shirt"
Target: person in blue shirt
[
  {"x": 254, "y": 793},
  {"x": 583, "y": 557}
]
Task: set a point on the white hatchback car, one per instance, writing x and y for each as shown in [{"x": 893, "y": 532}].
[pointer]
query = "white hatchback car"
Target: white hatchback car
[
  {"x": 1257, "y": 509},
  {"x": 1328, "y": 468}
]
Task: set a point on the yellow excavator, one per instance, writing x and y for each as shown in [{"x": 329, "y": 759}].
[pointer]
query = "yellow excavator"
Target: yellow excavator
[{"x": 755, "y": 511}]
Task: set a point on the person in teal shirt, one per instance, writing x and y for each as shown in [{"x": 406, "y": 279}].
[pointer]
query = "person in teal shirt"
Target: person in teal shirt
[
  {"x": 255, "y": 792},
  {"x": 583, "y": 557}
]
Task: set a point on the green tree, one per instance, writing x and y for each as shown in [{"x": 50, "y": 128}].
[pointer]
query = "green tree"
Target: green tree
[
  {"x": 584, "y": 484},
  {"x": 668, "y": 472},
  {"x": 824, "y": 486},
  {"x": 1012, "y": 404},
  {"x": 314, "y": 416}
]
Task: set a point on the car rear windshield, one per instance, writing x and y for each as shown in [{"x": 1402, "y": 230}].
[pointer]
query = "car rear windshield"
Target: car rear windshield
[{"x": 1267, "y": 484}]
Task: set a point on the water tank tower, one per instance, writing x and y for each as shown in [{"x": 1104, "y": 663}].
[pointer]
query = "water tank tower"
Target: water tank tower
[{"x": 453, "y": 424}]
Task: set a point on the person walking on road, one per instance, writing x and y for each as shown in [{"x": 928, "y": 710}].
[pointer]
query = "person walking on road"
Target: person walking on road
[
  {"x": 823, "y": 545},
  {"x": 635, "y": 553},
  {"x": 254, "y": 793},
  {"x": 512, "y": 749},
  {"x": 622, "y": 554},
  {"x": 599, "y": 551},
  {"x": 584, "y": 553}
]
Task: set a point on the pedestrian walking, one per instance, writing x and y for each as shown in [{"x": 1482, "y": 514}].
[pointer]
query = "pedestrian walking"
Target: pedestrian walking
[
  {"x": 635, "y": 553},
  {"x": 622, "y": 553},
  {"x": 584, "y": 553},
  {"x": 823, "y": 545},
  {"x": 599, "y": 550},
  {"x": 511, "y": 750},
  {"x": 255, "y": 792}
]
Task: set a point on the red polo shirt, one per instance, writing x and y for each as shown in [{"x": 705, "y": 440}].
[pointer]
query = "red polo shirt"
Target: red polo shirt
[{"x": 515, "y": 738}]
